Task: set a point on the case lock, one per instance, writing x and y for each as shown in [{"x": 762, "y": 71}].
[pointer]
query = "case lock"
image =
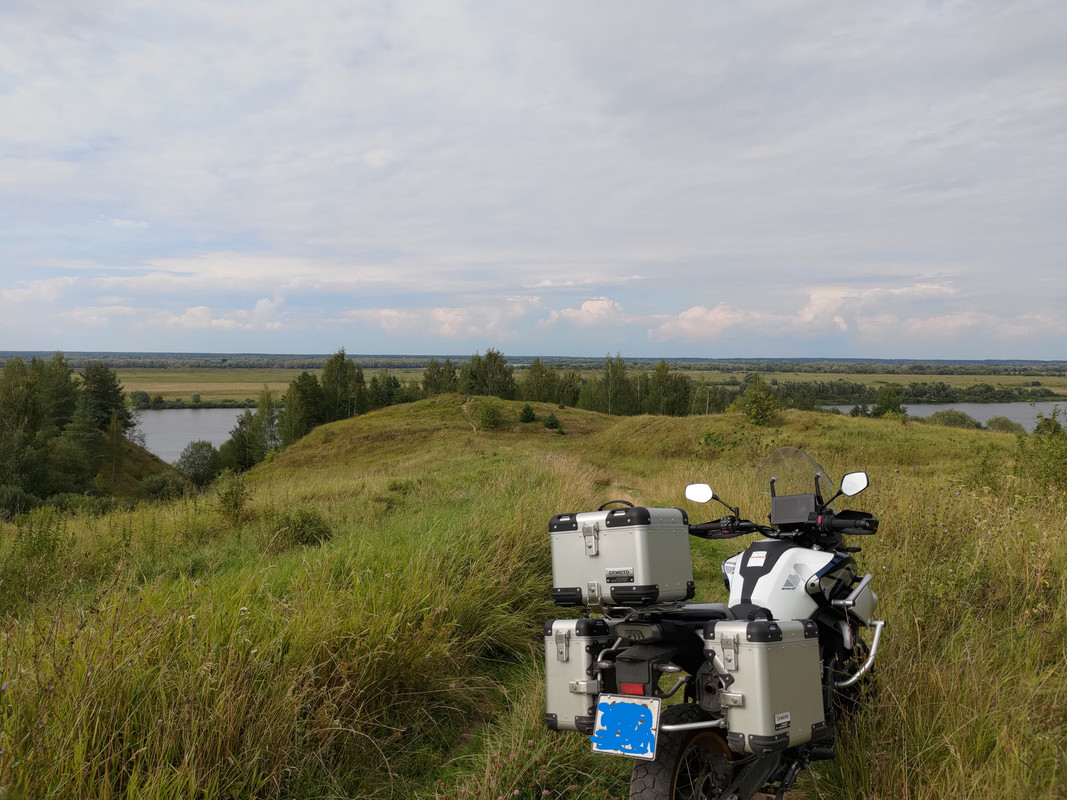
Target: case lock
[
  {"x": 563, "y": 646},
  {"x": 591, "y": 534},
  {"x": 729, "y": 651}
]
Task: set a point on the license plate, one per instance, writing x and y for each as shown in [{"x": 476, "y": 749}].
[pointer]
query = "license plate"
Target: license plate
[{"x": 626, "y": 726}]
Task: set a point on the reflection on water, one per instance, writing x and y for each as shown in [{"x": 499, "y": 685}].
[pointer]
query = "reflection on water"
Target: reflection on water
[
  {"x": 167, "y": 431},
  {"x": 1023, "y": 413}
]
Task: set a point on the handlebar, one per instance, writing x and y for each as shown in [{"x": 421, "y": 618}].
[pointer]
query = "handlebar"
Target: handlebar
[
  {"x": 853, "y": 523},
  {"x": 727, "y": 528}
]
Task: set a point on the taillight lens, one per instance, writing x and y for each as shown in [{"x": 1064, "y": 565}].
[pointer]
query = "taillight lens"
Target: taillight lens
[{"x": 632, "y": 688}]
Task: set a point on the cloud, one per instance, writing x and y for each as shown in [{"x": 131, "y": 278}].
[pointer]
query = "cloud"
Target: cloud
[
  {"x": 598, "y": 311},
  {"x": 264, "y": 316},
  {"x": 642, "y": 173},
  {"x": 495, "y": 322}
]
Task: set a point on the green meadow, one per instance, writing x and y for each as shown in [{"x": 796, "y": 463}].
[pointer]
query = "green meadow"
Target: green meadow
[{"x": 361, "y": 617}]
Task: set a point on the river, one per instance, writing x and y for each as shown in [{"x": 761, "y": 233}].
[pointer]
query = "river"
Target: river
[
  {"x": 1023, "y": 413},
  {"x": 167, "y": 431}
]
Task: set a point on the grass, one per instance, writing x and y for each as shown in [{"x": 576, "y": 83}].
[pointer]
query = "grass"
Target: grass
[{"x": 367, "y": 623}]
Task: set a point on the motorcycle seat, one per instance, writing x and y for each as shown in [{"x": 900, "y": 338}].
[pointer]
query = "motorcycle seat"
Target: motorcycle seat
[{"x": 698, "y": 613}]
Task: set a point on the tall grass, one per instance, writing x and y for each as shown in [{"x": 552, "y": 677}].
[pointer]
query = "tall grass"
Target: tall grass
[{"x": 367, "y": 623}]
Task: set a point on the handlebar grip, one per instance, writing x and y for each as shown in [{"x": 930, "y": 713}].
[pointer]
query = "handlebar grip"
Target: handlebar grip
[
  {"x": 724, "y": 528},
  {"x": 851, "y": 522}
]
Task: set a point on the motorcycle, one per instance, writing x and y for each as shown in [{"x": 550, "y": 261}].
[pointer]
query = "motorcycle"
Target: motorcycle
[{"x": 759, "y": 683}]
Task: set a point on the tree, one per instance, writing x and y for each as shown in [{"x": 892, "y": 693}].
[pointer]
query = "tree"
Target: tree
[
  {"x": 888, "y": 402},
  {"x": 491, "y": 376},
  {"x": 303, "y": 409},
  {"x": 614, "y": 393},
  {"x": 265, "y": 424},
  {"x": 383, "y": 390},
  {"x": 199, "y": 462},
  {"x": 758, "y": 403},
  {"x": 105, "y": 396},
  {"x": 20, "y": 419},
  {"x": 342, "y": 383},
  {"x": 540, "y": 384},
  {"x": 57, "y": 390},
  {"x": 238, "y": 453},
  {"x": 439, "y": 378}
]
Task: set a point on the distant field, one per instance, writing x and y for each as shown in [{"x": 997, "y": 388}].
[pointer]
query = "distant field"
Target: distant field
[
  {"x": 221, "y": 383},
  {"x": 1057, "y": 383}
]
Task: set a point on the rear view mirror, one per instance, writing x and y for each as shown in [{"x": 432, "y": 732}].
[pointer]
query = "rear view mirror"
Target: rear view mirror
[
  {"x": 699, "y": 493},
  {"x": 853, "y": 483}
]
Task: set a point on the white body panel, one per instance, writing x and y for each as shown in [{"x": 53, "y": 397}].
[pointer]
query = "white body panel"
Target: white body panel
[{"x": 784, "y": 586}]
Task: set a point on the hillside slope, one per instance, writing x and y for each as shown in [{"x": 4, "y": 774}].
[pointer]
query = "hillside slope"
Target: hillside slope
[{"x": 362, "y": 616}]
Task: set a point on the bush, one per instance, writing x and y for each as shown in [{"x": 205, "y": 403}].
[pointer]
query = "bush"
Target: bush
[
  {"x": 527, "y": 414},
  {"x": 167, "y": 486},
  {"x": 489, "y": 416},
  {"x": 232, "y": 495},
  {"x": 304, "y": 525},
  {"x": 14, "y": 501},
  {"x": 199, "y": 462},
  {"x": 1004, "y": 425},
  {"x": 551, "y": 421},
  {"x": 85, "y": 504},
  {"x": 953, "y": 418},
  {"x": 1043, "y": 454}
]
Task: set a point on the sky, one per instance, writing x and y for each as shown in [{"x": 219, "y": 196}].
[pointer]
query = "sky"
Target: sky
[{"x": 679, "y": 179}]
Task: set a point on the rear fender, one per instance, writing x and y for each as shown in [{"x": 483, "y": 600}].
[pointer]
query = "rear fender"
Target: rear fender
[{"x": 643, "y": 664}]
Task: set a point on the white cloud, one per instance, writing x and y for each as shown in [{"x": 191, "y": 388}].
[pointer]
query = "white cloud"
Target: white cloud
[
  {"x": 434, "y": 156},
  {"x": 598, "y": 311},
  {"x": 497, "y": 322}
]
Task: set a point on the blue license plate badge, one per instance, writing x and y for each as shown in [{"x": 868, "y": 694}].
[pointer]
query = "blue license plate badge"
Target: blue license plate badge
[{"x": 626, "y": 726}]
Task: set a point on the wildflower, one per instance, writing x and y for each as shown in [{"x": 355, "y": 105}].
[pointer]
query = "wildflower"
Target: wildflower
[{"x": 192, "y": 617}]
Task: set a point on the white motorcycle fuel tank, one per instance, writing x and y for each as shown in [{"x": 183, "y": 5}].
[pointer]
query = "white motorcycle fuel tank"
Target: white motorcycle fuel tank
[{"x": 793, "y": 582}]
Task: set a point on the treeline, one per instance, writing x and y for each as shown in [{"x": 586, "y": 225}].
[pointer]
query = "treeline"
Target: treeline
[
  {"x": 809, "y": 394},
  {"x": 60, "y": 433},
  {"x": 881, "y": 367},
  {"x": 141, "y": 401}
]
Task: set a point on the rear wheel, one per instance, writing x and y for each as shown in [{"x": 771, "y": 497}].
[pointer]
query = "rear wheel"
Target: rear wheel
[{"x": 689, "y": 765}]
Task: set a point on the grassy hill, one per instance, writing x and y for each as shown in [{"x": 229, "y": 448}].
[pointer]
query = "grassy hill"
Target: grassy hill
[{"x": 361, "y": 617}]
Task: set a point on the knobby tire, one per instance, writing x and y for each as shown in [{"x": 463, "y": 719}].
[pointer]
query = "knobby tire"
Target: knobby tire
[{"x": 689, "y": 765}]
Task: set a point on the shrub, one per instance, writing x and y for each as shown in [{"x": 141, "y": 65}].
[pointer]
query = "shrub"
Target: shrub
[
  {"x": 303, "y": 525},
  {"x": 527, "y": 414},
  {"x": 167, "y": 486},
  {"x": 1004, "y": 425},
  {"x": 81, "y": 503},
  {"x": 489, "y": 416},
  {"x": 759, "y": 404},
  {"x": 232, "y": 494},
  {"x": 953, "y": 418},
  {"x": 14, "y": 500},
  {"x": 551, "y": 421},
  {"x": 1043, "y": 454},
  {"x": 199, "y": 462}
]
